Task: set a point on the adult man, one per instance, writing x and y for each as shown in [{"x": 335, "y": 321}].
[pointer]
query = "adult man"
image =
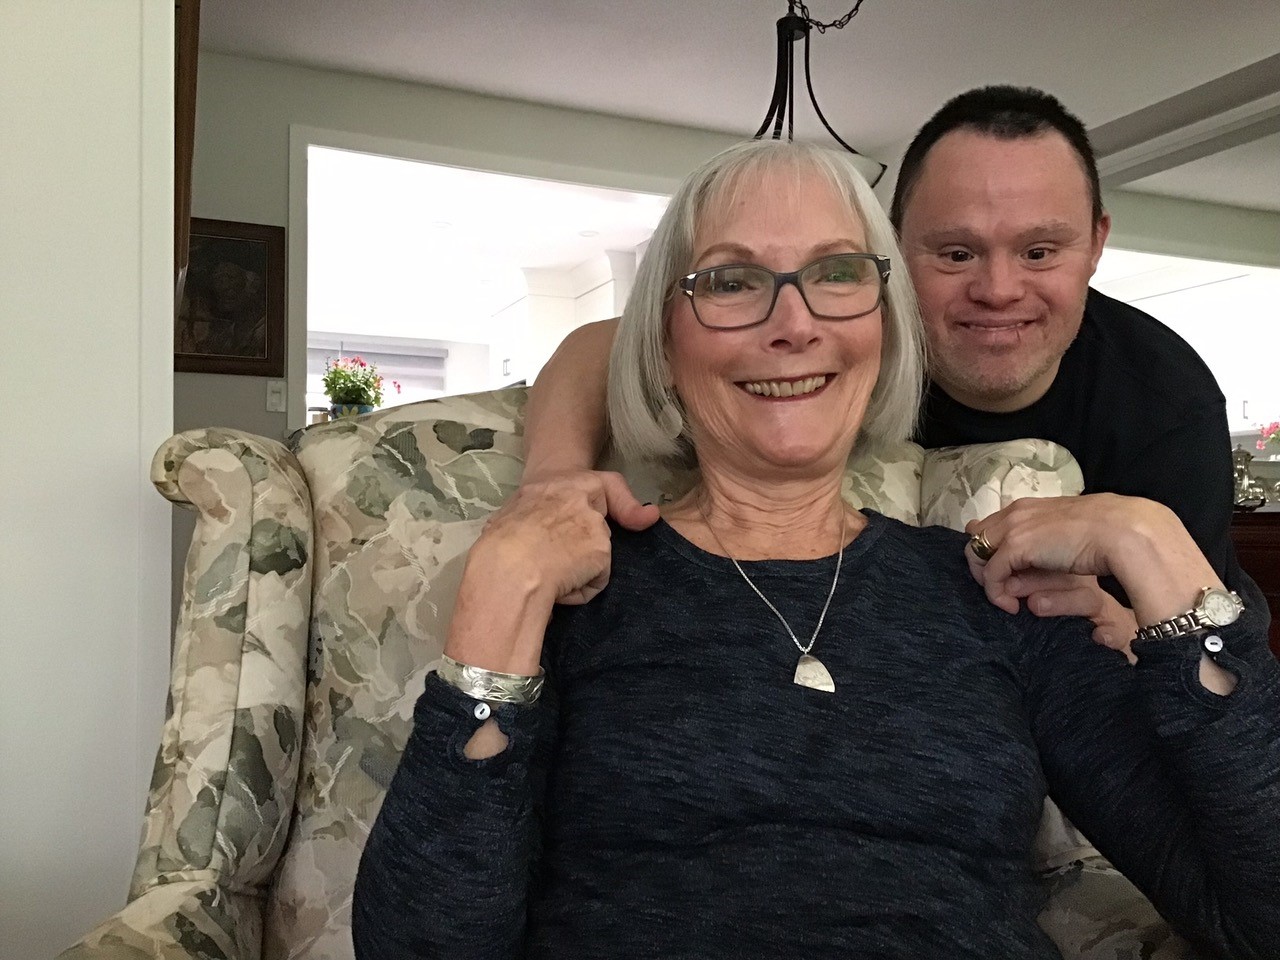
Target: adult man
[
  {"x": 999, "y": 209},
  {"x": 1000, "y": 213}
]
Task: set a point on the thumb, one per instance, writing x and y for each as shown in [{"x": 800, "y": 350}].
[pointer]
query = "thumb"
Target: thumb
[{"x": 622, "y": 505}]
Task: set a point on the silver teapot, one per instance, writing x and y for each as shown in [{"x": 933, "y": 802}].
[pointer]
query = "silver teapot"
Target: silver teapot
[{"x": 1250, "y": 494}]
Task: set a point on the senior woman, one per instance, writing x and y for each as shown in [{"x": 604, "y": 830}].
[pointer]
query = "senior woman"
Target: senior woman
[{"x": 787, "y": 728}]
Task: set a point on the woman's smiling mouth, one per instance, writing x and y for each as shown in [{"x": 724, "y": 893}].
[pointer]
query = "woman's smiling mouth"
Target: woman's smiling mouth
[{"x": 795, "y": 387}]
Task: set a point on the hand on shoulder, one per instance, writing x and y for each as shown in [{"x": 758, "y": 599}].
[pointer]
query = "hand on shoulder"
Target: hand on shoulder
[
  {"x": 551, "y": 538},
  {"x": 620, "y": 504},
  {"x": 1140, "y": 542},
  {"x": 549, "y": 544}
]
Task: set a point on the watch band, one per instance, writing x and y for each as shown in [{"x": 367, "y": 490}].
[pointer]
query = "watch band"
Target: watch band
[
  {"x": 1207, "y": 614},
  {"x": 1183, "y": 625},
  {"x": 490, "y": 685}
]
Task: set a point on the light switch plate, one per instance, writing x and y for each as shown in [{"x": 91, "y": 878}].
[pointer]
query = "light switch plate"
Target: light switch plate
[{"x": 275, "y": 396}]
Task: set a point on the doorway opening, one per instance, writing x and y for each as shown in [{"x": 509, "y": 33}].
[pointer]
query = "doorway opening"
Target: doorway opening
[{"x": 457, "y": 280}]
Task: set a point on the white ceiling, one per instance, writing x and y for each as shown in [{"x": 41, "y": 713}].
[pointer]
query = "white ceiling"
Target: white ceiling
[{"x": 710, "y": 64}]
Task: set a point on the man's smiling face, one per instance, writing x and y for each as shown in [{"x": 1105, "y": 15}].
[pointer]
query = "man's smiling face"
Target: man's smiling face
[{"x": 1000, "y": 241}]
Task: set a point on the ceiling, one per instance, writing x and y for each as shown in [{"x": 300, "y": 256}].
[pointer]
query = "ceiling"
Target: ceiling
[{"x": 1187, "y": 94}]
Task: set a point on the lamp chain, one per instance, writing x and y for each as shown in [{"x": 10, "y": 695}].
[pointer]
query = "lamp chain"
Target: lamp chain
[{"x": 823, "y": 27}]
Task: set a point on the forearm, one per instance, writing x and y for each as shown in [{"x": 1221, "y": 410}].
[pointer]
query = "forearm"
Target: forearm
[
  {"x": 497, "y": 629},
  {"x": 445, "y": 871},
  {"x": 565, "y": 422},
  {"x": 499, "y": 619},
  {"x": 1223, "y": 756},
  {"x": 1156, "y": 561},
  {"x": 1163, "y": 571}
]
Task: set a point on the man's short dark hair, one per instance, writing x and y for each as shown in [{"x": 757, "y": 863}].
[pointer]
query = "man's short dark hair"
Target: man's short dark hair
[{"x": 1004, "y": 112}]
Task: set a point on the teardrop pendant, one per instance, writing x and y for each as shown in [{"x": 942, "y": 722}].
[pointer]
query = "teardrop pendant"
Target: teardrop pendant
[{"x": 811, "y": 673}]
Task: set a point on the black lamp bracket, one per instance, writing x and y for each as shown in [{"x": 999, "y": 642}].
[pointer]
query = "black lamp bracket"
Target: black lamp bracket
[{"x": 797, "y": 26}]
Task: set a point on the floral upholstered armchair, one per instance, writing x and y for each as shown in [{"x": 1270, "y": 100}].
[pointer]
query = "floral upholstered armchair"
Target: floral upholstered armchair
[{"x": 316, "y": 593}]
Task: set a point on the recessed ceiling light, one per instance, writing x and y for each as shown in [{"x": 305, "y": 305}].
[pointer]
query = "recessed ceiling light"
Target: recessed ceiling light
[
  {"x": 588, "y": 233},
  {"x": 441, "y": 224}
]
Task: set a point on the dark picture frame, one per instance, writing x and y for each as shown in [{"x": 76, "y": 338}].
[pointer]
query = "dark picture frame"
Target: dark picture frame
[{"x": 231, "y": 318}]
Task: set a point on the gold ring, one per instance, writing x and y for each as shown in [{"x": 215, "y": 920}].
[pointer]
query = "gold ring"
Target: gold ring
[{"x": 981, "y": 547}]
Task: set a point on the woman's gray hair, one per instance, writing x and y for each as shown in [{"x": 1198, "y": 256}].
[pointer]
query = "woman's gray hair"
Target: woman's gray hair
[{"x": 639, "y": 376}]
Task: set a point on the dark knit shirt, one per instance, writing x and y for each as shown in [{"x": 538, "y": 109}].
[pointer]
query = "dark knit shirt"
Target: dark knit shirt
[{"x": 674, "y": 794}]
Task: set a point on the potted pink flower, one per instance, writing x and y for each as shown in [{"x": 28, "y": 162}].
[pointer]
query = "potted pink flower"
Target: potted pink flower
[
  {"x": 1270, "y": 434},
  {"x": 353, "y": 386}
]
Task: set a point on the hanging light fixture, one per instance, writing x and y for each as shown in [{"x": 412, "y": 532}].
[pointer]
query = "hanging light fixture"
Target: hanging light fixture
[{"x": 796, "y": 26}]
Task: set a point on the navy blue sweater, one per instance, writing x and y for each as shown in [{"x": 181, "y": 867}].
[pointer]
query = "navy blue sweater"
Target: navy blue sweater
[{"x": 674, "y": 794}]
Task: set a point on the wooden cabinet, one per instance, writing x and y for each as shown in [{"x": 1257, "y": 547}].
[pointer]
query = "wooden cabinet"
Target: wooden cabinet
[{"x": 1257, "y": 540}]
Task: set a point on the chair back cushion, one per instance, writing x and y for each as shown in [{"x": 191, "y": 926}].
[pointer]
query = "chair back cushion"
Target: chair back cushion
[{"x": 959, "y": 484}]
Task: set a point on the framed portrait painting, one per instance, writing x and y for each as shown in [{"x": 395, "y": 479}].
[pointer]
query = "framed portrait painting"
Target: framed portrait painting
[{"x": 231, "y": 318}]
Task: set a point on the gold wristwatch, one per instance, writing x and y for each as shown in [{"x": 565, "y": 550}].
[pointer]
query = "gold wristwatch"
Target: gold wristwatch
[{"x": 1215, "y": 608}]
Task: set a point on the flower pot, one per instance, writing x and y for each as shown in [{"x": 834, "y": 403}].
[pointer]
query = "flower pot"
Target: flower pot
[{"x": 337, "y": 410}]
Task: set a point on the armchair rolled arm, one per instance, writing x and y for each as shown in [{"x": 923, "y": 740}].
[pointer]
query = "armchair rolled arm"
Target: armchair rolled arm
[
  {"x": 226, "y": 773},
  {"x": 188, "y": 920}
]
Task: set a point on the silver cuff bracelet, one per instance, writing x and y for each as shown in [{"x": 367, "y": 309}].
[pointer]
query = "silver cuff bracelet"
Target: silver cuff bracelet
[{"x": 491, "y": 685}]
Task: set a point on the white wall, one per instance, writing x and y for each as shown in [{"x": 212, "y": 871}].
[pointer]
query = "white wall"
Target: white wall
[
  {"x": 1231, "y": 317},
  {"x": 559, "y": 301},
  {"x": 514, "y": 348},
  {"x": 552, "y": 313},
  {"x": 468, "y": 370},
  {"x": 597, "y": 304},
  {"x": 1235, "y": 327},
  {"x": 603, "y": 283},
  {"x": 395, "y": 320},
  {"x": 86, "y": 301},
  {"x": 1228, "y": 312}
]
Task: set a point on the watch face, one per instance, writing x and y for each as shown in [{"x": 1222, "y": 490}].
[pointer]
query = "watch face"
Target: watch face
[{"x": 1220, "y": 608}]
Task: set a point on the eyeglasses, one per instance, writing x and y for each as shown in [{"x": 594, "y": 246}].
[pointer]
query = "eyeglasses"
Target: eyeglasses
[{"x": 736, "y": 295}]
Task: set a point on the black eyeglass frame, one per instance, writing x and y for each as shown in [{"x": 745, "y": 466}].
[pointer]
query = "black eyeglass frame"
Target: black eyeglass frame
[{"x": 687, "y": 283}]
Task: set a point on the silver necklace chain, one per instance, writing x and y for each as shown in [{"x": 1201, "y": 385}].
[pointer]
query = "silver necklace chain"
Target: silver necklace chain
[{"x": 803, "y": 648}]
